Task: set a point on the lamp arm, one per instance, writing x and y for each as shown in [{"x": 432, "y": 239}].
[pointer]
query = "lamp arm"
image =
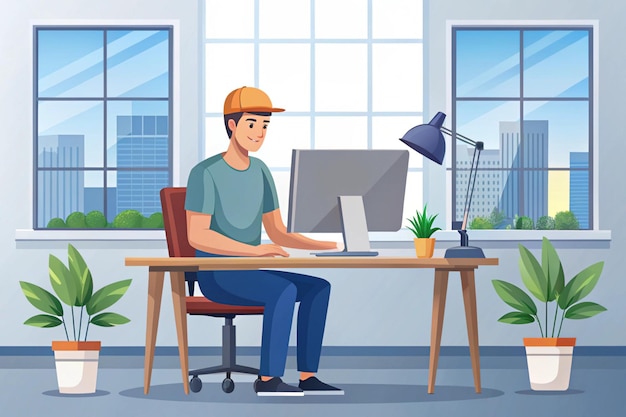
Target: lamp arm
[{"x": 471, "y": 183}]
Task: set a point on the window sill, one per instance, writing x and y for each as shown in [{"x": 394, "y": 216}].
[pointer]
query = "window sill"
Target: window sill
[{"x": 24, "y": 235}]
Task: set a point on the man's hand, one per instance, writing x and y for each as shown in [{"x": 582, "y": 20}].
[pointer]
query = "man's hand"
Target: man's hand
[{"x": 270, "y": 249}]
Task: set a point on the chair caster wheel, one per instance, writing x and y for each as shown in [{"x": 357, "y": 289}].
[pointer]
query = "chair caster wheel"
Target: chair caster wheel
[
  {"x": 195, "y": 385},
  {"x": 228, "y": 385}
]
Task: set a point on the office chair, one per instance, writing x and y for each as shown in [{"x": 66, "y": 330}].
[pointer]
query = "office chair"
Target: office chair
[{"x": 175, "y": 222}]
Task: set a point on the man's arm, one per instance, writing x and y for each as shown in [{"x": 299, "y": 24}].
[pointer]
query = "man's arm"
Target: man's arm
[
  {"x": 201, "y": 237},
  {"x": 277, "y": 232}
]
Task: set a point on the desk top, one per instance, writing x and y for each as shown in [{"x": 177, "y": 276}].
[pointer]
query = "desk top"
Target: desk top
[{"x": 239, "y": 263}]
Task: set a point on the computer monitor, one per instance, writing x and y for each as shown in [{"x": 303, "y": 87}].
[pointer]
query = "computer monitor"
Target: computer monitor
[{"x": 349, "y": 192}]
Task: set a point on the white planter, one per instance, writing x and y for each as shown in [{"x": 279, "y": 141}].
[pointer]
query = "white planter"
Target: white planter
[
  {"x": 76, "y": 366},
  {"x": 549, "y": 363}
]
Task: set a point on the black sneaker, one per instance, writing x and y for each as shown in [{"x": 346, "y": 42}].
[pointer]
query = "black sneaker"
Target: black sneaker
[
  {"x": 275, "y": 387},
  {"x": 313, "y": 386}
]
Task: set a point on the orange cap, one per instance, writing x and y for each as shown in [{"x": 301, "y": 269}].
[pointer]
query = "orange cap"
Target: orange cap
[{"x": 247, "y": 100}]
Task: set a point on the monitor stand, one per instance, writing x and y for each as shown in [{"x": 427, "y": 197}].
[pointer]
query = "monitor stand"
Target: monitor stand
[{"x": 354, "y": 224}]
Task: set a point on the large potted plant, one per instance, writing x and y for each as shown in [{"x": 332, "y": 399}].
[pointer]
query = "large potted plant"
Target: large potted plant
[
  {"x": 76, "y": 358},
  {"x": 549, "y": 357},
  {"x": 422, "y": 227}
]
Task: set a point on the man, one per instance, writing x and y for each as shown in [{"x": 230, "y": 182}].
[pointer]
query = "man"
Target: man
[{"x": 229, "y": 196}]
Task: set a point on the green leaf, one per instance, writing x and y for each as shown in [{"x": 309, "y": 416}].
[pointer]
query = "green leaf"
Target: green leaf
[
  {"x": 581, "y": 285},
  {"x": 43, "y": 320},
  {"x": 109, "y": 319},
  {"x": 42, "y": 299},
  {"x": 82, "y": 275},
  {"x": 107, "y": 296},
  {"x": 516, "y": 317},
  {"x": 532, "y": 274},
  {"x": 515, "y": 297},
  {"x": 63, "y": 282},
  {"x": 583, "y": 310},
  {"x": 552, "y": 269}
]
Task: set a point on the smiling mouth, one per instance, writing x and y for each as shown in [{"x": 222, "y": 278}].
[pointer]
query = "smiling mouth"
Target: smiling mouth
[{"x": 253, "y": 140}]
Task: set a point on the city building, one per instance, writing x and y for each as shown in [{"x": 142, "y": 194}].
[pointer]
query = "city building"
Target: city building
[
  {"x": 579, "y": 187},
  {"x": 142, "y": 144},
  {"x": 60, "y": 191},
  {"x": 534, "y": 161}
]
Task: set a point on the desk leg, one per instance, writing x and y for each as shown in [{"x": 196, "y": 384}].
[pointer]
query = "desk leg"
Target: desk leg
[
  {"x": 155, "y": 291},
  {"x": 471, "y": 317},
  {"x": 439, "y": 305},
  {"x": 180, "y": 313}
]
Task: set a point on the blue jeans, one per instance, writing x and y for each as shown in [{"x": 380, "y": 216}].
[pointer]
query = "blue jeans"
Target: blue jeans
[{"x": 277, "y": 291}]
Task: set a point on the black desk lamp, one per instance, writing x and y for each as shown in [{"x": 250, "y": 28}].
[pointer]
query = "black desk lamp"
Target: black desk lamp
[{"x": 428, "y": 140}]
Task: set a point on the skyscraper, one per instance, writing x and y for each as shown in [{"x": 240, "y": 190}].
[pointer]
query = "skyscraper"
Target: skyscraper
[
  {"x": 142, "y": 145},
  {"x": 487, "y": 189},
  {"x": 60, "y": 191},
  {"x": 579, "y": 187},
  {"x": 533, "y": 159}
]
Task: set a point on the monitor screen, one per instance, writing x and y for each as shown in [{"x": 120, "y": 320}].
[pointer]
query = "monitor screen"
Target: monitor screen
[{"x": 319, "y": 177}]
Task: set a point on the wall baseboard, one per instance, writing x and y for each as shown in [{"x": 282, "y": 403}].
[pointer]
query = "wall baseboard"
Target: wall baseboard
[{"x": 326, "y": 351}]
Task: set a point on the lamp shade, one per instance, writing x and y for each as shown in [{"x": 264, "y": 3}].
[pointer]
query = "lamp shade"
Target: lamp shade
[{"x": 427, "y": 139}]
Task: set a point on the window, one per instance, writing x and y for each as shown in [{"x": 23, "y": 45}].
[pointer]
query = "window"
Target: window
[
  {"x": 102, "y": 117},
  {"x": 348, "y": 73},
  {"x": 527, "y": 93}
]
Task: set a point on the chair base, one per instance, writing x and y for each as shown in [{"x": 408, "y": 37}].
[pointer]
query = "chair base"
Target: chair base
[{"x": 229, "y": 357}]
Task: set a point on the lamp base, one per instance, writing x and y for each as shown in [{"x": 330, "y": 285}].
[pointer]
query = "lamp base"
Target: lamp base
[{"x": 464, "y": 252}]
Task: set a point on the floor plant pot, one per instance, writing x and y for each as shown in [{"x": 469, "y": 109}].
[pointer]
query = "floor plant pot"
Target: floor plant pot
[
  {"x": 549, "y": 362},
  {"x": 424, "y": 247},
  {"x": 77, "y": 366}
]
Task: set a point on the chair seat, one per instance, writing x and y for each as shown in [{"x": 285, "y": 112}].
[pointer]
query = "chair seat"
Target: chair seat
[{"x": 202, "y": 305}]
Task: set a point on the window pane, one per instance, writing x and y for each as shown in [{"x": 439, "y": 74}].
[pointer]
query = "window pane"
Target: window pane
[
  {"x": 494, "y": 190},
  {"x": 486, "y": 121},
  {"x": 341, "y": 132},
  {"x": 487, "y": 63},
  {"x": 397, "y": 86},
  {"x": 569, "y": 191},
  {"x": 220, "y": 23},
  {"x": 63, "y": 192},
  {"x": 556, "y": 63},
  {"x": 137, "y": 190},
  {"x": 565, "y": 126},
  {"x": 286, "y": 81},
  {"x": 70, "y": 134},
  {"x": 137, "y": 63},
  {"x": 70, "y": 63},
  {"x": 413, "y": 196},
  {"x": 397, "y": 19},
  {"x": 345, "y": 19},
  {"x": 274, "y": 23},
  {"x": 341, "y": 77},
  {"x": 138, "y": 134}
]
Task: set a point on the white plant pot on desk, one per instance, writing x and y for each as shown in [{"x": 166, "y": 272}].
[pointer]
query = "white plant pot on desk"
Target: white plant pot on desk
[
  {"x": 549, "y": 362},
  {"x": 77, "y": 366}
]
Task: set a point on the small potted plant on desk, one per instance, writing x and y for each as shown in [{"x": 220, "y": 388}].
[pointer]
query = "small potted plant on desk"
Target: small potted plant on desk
[
  {"x": 76, "y": 360},
  {"x": 422, "y": 227},
  {"x": 549, "y": 357}
]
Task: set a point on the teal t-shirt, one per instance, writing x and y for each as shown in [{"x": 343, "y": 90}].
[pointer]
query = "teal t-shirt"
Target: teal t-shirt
[{"x": 235, "y": 199}]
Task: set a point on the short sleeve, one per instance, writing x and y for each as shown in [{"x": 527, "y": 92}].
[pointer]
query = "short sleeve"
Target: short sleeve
[
  {"x": 200, "y": 191},
  {"x": 270, "y": 196}
]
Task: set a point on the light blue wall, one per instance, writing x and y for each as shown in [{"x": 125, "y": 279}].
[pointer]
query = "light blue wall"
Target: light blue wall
[{"x": 368, "y": 307}]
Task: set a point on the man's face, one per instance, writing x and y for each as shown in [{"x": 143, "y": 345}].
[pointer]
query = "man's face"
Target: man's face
[{"x": 250, "y": 131}]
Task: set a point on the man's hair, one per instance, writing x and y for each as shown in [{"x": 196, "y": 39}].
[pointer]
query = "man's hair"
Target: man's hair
[{"x": 237, "y": 116}]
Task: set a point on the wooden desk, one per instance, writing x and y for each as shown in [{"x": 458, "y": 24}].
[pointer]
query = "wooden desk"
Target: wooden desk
[{"x": 177, "y": 267}]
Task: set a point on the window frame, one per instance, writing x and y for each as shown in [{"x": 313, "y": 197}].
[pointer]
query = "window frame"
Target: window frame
[
  {"x": 172, "y": 112},
  {"x": 593, "y": 27}
]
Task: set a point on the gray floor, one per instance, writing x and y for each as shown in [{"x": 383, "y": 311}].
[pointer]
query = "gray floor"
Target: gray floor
[{"x": 374, "y": 386}]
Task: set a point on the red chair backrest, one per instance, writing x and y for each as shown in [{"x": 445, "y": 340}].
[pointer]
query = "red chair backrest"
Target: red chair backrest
[{"x": 175, "y": 222}]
